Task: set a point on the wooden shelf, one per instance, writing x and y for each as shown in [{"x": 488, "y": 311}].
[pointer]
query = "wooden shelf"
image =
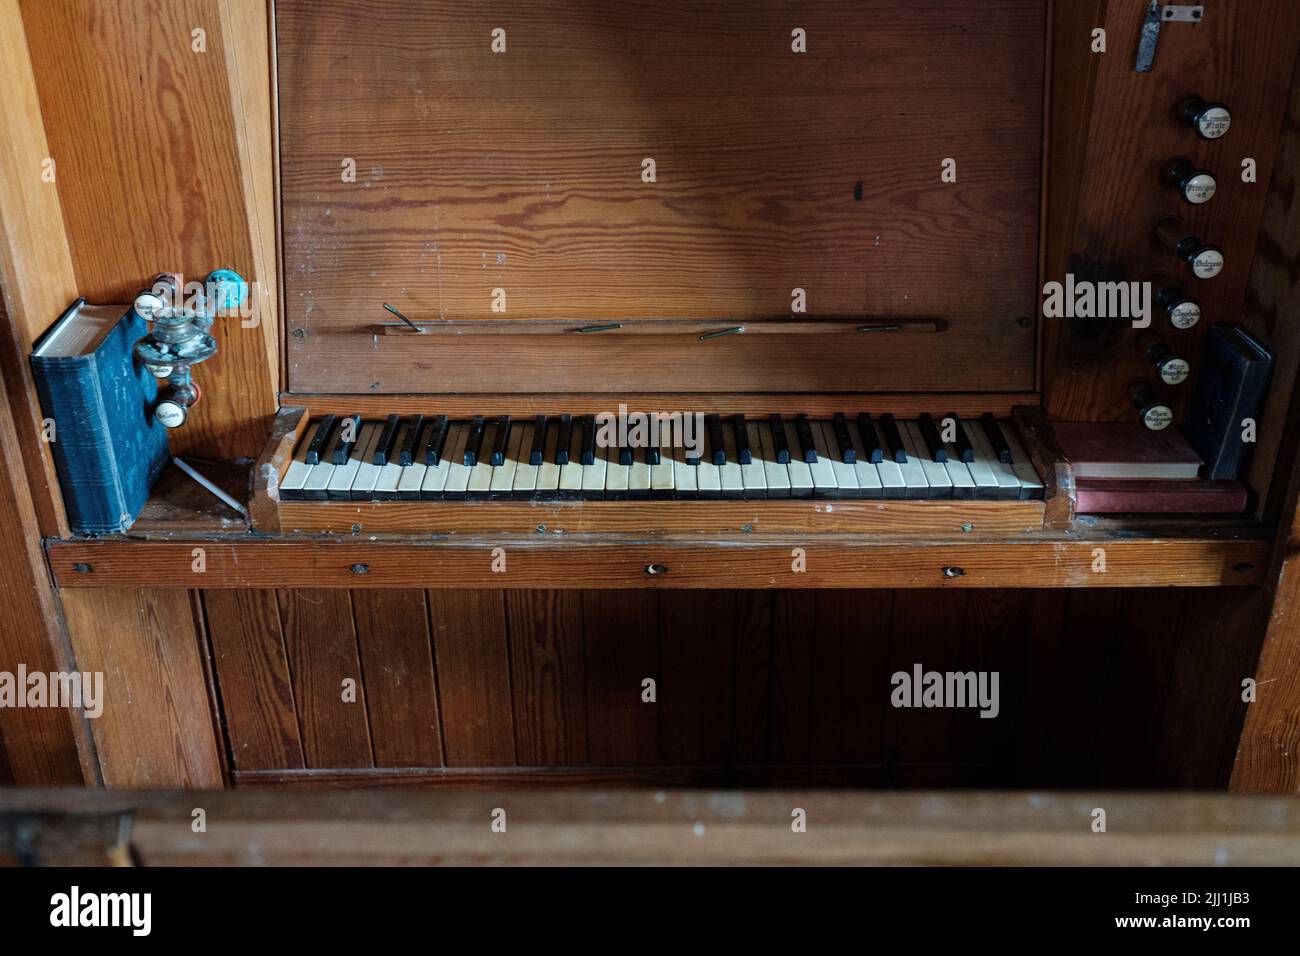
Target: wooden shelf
[{"x": 557, "y": 560}]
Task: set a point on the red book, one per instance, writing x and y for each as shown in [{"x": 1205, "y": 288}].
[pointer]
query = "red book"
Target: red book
[
  {"x": 1159, "y": 496},
  {"x": 1120, "y": 450}
]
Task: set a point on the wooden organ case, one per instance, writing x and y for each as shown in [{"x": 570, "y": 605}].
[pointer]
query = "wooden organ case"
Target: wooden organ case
[{"x": 826, "y": 229}]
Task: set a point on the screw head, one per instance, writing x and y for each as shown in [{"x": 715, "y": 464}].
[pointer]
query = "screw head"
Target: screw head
[{"x": 359, "y": 568}]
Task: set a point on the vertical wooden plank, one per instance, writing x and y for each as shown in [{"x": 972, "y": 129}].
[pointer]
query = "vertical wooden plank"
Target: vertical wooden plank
[
  {"x": 850, "y": 676},
  {"x": 396, "y": 657},
  {"x": 322, "y": 652},
  {"x": 697, "y": 644},
  {"x": 1071, "y": 634},
  {"x": 547, "y": 681},
  {"x": 36, "y": 274},
  {"x": 473, "y": 669},
  {"x": 751, "y": 677},
  {"x": 794, "y": 628},
  {"x": 621, "y": 640},
  {"x": 252, "y": 667},
  {"x": 47, "y": 746},
  {"x": 156, "y": 728}
]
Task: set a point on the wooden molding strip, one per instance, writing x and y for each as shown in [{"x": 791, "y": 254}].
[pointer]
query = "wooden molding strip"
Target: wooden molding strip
[{"x": 608, "y": 561}]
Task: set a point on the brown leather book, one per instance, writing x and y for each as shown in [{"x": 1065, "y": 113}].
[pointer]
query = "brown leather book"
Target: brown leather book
[{"x": 1158, "y": 496}]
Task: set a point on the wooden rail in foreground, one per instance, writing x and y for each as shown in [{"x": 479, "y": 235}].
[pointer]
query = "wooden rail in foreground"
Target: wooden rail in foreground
[{"x": 646, "y": 827}]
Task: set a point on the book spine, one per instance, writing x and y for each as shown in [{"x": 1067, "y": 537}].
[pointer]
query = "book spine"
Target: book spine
[{"x": 82, "y": 444}]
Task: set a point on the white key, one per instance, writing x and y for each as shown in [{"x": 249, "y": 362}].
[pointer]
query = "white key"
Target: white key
[
  {"x": 503, "y": 475},
  {"x": 435, "y": 476},
  {"x": 480, "y": 473},
  {"x": 915, "y": 482},
  {"x": 1006, "y": 484},
  {"x": 823, "y": 474},
  {"x": 935, "y": 474},
  {"x": 963, "y": 485},
  {"x": 295, "y": 476},
  {"x": 525, "y": 483},
  {"x": 457, "y": 470},
  {"x": 363, "y": 482},
  {"x": 638, "y": 475},
  {"x": 801, "y": 479},
  {"x": 390, "y": 474},
  {"x": 568, "y": 477},
  {"x": 986, "y": 485},
  {"x": 1031, "y": 486},
  {"x": 754, "y": 476},
  {"x": 846, "y": 476},
  {"x": 892, "y": 484},
  {"x": 412, "y": 477},
  {"x": 548, "y": 472},
  {"x": 708, "y": 482},
  {"x": 593, "y": 475},
  {"x": 684, "y": 475},
  {"x": 776, "y": 476},
  {"x": 662, "y": 484},
  {"x": 729, "y": 476},
  {"x": 616, "y": 475},
  {"x": 866, "y": 472},
  {"x": 340, "y": 485}
]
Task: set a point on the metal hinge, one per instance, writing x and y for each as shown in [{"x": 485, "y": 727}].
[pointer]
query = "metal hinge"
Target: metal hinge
[{"x": 1156, "y": 17}]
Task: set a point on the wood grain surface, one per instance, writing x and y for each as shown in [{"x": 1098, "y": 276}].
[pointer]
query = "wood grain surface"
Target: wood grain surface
[{"x": 775, "y": 170}]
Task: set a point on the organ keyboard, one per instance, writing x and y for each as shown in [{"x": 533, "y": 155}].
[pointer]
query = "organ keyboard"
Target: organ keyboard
[{"x": 560, "y": 457}]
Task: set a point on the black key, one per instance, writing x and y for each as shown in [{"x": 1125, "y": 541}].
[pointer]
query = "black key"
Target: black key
[
  {"x": 562, "y": 439},
  {"x": 803, "y": 429},
  {"x": 897, "y": 450},
  {"x": 965, "y": 451},
  {"x": 349, "y": 428},
  {"x": 500, "y": 442},
  {"x": 335, "y": 446},
  {"x": 655, "y": 432},
  {"x": 384, "y": 447},
  {"x": 779, "y": 443},
  {"x": 871, "y": 444},
  {"x": 717, "y": 445},
  {"x": 993, "y": 432},
  {"x": 848, "y": 454},
  {"x": 539, "y": 441},
  {"x": 321, "y": 439},
  {"x": 625, "y": 451},
  {"x": 588, "y": 423},
  {"x": 411, "y": 439},
  {"x": 437, "y": 435},
  {"x": 474, "y": 442},
  {"x": 933, "y": 443},
  {"x": 744, "y": 455}
]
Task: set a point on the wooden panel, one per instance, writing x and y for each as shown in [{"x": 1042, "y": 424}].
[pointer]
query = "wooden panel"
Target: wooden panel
[
  {"x": 46, "y": 745},
  {"x": 920, "y": 518},
  {"x": 472, "y": 657},
  {"x": 696, "y": 650},
  {"x": 36, "y": 275},
  {"x": 547, "y": 679},
  {"x": 396, "y": 657},
  {"x": 1105, "y": 175},
  {"x": 248, "y": 652},
  {"x": 322, "y": 652},
  {"x": 156, "y": 729},
  {"x": 610, "y": 562},
  {"x": 775, "y": 171},
  {"x": 187, "y": 137},
  {"x": 621, "y": 644}
]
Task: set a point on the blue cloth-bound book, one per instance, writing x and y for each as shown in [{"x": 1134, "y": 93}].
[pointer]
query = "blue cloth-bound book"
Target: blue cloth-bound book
[{"x": 108, "y": 448}]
